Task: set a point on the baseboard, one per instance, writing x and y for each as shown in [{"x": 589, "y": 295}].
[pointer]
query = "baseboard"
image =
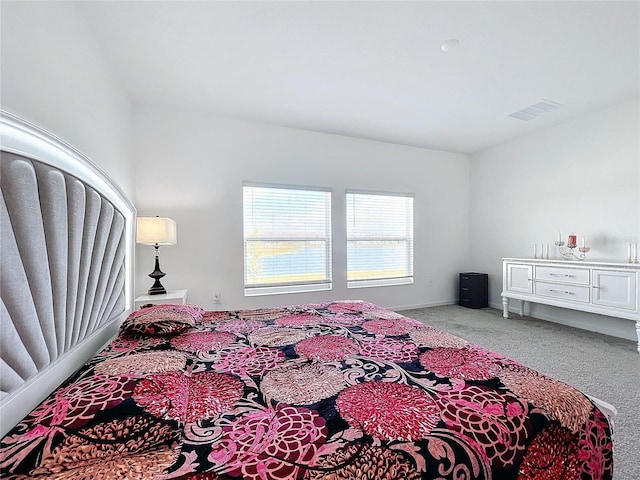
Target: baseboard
[{"x": 424, "y": 305}]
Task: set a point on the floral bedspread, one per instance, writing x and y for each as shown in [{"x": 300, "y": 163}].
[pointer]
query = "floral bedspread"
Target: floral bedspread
[{"x": 338, "y": 390}]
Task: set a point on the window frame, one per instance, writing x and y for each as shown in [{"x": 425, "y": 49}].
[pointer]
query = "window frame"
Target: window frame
[
  {"x": 408, "y": 239},
  {"x": 257, "y": 289}
]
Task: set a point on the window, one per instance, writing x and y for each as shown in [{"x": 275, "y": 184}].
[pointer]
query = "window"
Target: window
[
  {"x": 287, "y": 239},
  {"x": 379, "y": 239}
]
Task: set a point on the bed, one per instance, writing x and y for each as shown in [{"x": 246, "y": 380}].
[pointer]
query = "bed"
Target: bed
[{"x": 333, "y": 390}]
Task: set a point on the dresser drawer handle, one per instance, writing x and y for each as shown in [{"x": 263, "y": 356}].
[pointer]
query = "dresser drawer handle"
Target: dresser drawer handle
[
  {"x": 561, "y": 291},
  {"x": 560, "y": 275}
]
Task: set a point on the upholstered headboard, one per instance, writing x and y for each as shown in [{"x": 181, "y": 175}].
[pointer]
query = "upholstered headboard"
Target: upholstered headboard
[{"x": 66, "y": 260}]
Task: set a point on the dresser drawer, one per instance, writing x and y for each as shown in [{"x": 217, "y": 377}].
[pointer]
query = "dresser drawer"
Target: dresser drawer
[
  {"x": 574, "y": 293},
  {"x": 578, "y": 276}
]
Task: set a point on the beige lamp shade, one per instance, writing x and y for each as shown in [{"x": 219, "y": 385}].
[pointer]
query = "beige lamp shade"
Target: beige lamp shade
[{"x": 156, "y": 230}]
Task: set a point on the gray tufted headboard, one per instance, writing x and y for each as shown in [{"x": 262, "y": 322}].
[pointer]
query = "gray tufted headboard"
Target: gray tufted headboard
[{"x": 66, "y": 264}]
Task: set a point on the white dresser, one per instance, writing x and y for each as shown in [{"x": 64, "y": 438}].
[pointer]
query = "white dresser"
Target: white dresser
[{"x": 606, "y": 288}]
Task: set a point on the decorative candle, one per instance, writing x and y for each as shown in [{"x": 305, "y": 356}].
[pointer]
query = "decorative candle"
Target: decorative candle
[
  {"x": 547, "y": 254},
  {"x": 629, "y": 252},
  {"x": 559, "y": 236},
  {"x": 572, "y": 242},
  {"x": 583, "y": 244},
  {"x": 535, "y": 251}
]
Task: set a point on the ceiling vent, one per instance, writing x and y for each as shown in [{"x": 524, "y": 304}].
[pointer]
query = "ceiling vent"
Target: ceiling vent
[{"x": 536, "y": 110}]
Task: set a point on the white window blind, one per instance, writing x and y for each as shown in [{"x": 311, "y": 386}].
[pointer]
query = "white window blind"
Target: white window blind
[
  {"x": 287, "y": 239},
  {"x": 379, "y": 239}
]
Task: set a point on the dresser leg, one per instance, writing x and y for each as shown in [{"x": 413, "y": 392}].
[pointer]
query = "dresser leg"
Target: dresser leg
[
  {"x": 522, "y": 302},
  {"x": 638, "y": 333},
  {"x": 505, "y": 307}
]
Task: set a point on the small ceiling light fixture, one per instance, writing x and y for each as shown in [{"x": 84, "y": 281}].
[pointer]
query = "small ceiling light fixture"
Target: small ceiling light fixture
[{"x": 450, "y": 45}]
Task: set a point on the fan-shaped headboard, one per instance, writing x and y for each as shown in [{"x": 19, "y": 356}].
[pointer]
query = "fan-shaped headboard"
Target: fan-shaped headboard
[{"x": 66, "y": 264}]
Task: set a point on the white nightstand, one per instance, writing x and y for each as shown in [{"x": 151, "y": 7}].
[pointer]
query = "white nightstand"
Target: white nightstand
[{"x": 172, "y": 296}]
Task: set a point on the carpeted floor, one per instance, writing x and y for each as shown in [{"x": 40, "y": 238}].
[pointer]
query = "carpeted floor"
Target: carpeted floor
[{"x": 604, "y": 367}]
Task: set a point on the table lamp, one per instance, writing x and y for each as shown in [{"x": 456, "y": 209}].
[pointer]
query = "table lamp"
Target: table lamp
[{"x": 156, "y": 231}]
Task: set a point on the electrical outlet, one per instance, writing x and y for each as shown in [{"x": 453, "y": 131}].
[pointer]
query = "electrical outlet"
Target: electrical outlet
[{"x": 216, "y": 298}]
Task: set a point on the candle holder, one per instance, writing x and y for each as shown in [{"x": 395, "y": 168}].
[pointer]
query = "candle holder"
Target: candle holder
[{"x": 568, "y": 254}]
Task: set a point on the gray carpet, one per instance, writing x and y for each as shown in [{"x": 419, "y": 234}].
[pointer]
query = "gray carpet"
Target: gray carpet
[{"x": 604, "y": 367}]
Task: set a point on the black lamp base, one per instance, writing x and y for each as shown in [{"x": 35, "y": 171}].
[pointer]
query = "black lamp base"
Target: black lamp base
[
  {"x": 157, "y": 274},
  {"x": 157, "y": 288}
]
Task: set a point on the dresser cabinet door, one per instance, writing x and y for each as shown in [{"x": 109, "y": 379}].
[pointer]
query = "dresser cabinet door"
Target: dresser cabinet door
[
  {"x": 519, "y": 278},
  {"x": 615, "y": 289}
]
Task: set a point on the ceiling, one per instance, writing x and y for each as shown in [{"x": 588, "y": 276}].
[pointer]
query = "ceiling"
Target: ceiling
[{"x": 376, "y": 70}]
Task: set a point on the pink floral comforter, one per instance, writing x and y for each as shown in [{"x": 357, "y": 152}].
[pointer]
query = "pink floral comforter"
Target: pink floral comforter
[{"x": 339, "y": 390}]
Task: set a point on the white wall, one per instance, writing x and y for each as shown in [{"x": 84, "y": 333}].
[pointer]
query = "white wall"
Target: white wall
[
  {"x": 582, "y": 176},
  {"x": 190, "y": 167},
  {"x": 54, "y": 75}
]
